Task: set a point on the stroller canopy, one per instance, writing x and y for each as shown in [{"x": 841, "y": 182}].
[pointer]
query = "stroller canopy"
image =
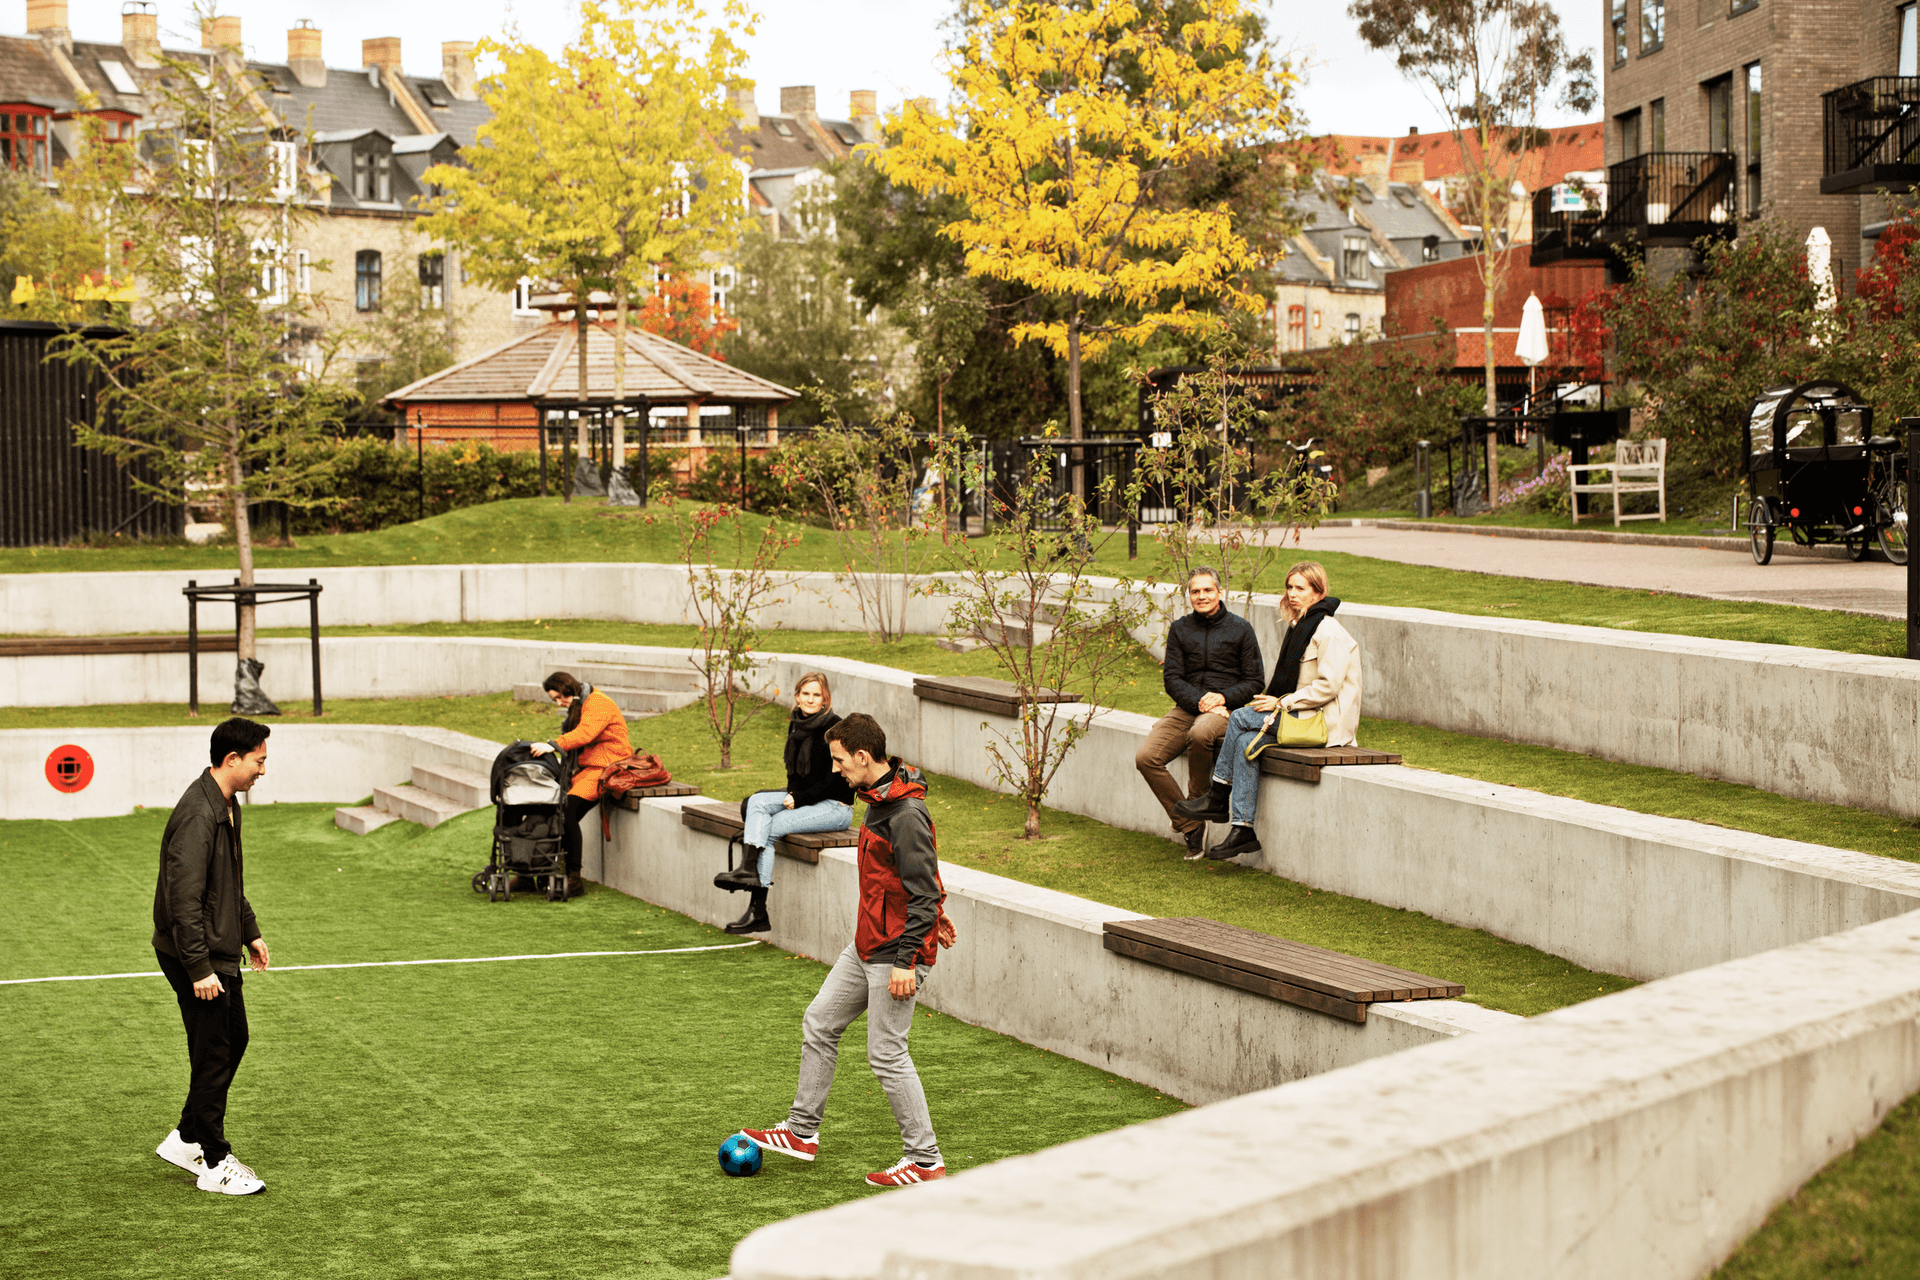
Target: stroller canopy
[{"x": 522, "y": 778}]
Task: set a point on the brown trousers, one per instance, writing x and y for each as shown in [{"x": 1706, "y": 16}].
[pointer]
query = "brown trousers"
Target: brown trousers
[{"x": 1180, "y": 732}]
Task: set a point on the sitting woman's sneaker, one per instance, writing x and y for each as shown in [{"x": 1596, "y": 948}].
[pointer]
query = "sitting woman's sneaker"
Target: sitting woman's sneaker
[{"x": 230, "y": 1178}]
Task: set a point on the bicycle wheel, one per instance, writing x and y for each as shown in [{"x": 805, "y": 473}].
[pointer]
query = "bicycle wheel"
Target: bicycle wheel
[
  {"x": 1856, "y": 546},
  {"x": 1760, "y": 533},
  {"x": 1893, "y": 508}
]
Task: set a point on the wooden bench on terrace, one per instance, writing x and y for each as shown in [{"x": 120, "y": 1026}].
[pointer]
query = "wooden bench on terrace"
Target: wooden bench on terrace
[
  {"x": 1305, "y": 763},
  {"x": 723, "y": 820},
  {"x": 981, "y": 693},
  {"x": 69, "y": 646},
  {"x": 631, "y": 800},
  {"x": 1311, "y": 977}
]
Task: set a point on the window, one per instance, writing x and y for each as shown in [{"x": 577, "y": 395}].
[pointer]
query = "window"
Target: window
[
  {"x": 1627, "y": 125},
  {"x": 1909, "y": 49},
  {"x": 1350, "y": 330},
  {"x": 272, "y": 261},
  {"x": 1657, "y": 125},
  {"x": 1353, "y": 257},
  {"x": 433, "y": 281},
  {"x": 523, "y": 298},
  {"x": 373, "y": 176},
  {"x": 1719, "y": 113},
  {"x": 23, "y": 138},
  {"x": 1430, "y": 249},
  {"x": 118, "y": 76},
  {"x": 1618, "y": 10},
  {"x": 1753, "y": 138},
  {"x": 1737, "y": 7},
  {"x": 1296, "y": 328},
  {"x": 302, "y": 272},
  {"x": 1653, "y": 25},
  {"x": 284, "y": 157},
  {"x": 721, "y": 292},
  {"x": 366, "y": 280}
]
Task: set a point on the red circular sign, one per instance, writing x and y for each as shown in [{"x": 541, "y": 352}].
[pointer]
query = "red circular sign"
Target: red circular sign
[{"x": 69, "y": 769}]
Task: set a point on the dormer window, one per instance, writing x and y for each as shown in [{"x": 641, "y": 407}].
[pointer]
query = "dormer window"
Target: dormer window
[
  {"x": 372, "y": 176},
  {"x": 432, "y": 93},
  {"x": 115, "y": 126},
  {"x": 23, "y": 137}
]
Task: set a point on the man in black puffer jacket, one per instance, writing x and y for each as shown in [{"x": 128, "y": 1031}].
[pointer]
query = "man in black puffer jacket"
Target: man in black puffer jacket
[{"x": 1212, "y": 669}]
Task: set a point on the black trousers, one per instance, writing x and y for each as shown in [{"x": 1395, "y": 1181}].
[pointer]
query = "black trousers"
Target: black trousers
[
  {"x": 576, "y": 808},
  {"x": 216, "y": 1041}
]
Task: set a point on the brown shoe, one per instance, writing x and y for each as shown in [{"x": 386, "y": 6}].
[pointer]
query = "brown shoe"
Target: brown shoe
[
  {"x": 1196, "y": 843},
  {"x": 576, "y": 887}
]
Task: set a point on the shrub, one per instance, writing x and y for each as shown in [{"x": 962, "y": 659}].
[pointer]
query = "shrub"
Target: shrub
[{"x": 376, "y": 484}]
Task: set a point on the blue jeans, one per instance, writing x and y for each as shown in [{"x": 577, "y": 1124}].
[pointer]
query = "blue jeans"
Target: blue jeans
[
  {"x": 1243, "y": 726},
  {"x": 768, "y": 819}
]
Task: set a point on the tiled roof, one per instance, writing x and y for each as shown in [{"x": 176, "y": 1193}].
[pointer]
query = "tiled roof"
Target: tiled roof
[
  {"x": 541, "y": 367},
  {"x": 1569, "y": 149}
]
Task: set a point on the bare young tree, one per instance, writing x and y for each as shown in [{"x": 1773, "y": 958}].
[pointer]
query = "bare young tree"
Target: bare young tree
[{"x": 1489, "y": 65}]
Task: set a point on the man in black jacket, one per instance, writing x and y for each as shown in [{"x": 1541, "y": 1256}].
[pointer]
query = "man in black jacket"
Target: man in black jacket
[
  {"x": 202, "y": 927},
  {"x": 1212, "y": 669}
]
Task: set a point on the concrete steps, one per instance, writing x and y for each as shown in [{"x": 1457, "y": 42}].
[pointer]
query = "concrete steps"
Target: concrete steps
[
  {"x": 362, "y": 819},
  {"x": 636, "y": 690},
  {"x": 438, "y": 792}
]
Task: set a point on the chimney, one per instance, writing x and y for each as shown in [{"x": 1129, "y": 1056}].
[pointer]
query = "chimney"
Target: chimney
[
  {"x": 303, "y": 55},
  {"x": 140, "y": 34},
  {"x": 220, "y": 31},
  {"x": 795, "y": 100},
  {"x": 749, "y": 111},
  {"x": 456, "y": 69},
  {"x": 1412, "y": 172},
  {"x": 863, "y": 103},
  {"x": 923, "y": 105},
  {"x": 48, "y": 20},
  {"x": 383, "y": 52},
  {"x": 1373, "y": 164},
  {"x": 1413, "y": 131}
]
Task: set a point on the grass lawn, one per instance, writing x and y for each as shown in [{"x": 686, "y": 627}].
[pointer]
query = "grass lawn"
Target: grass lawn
[
  {"x": 1859, "y": 1216},
  {"x": 535, "y": 1118},
  {"x": 542, "y": 529}
]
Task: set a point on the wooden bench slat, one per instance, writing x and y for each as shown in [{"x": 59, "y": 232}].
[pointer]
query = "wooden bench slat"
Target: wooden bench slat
[
  {"x": 1331, "y": 973},
  {"x": 982, "y": 693},
  {"x": 74, "y": 646},
  {"x": 631, "y": 800},
  {"x": 724, "y": 820},
  {"x": 1352, "y": 1011}
]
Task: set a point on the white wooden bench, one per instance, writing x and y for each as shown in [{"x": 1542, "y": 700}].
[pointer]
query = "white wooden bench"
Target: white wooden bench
[{"x": 1638, "y": 466}]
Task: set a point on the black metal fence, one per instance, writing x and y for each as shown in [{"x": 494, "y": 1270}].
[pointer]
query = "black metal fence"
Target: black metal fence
[
  {"x": 52, "y": 490},
  {"x": 1871, "y": 132}
]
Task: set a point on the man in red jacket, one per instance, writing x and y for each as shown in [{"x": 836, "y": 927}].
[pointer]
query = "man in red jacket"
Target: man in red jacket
[{"x": 897, "y": 935}]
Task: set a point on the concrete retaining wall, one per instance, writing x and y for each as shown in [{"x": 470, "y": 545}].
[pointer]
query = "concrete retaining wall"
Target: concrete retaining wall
[
  {"x": 1030, "y": 964},
  {"x": 1840, "y": 728},
  {"x": 1643, "y": 1134}
]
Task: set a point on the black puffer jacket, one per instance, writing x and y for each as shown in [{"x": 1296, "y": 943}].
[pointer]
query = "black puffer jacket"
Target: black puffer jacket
[{"x": 1212, "y": 653}]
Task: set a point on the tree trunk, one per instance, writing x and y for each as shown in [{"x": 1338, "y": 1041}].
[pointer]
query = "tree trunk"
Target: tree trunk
[
  {"x": 243, "y": 543},
  {"x": 1076, "y": 430},
  {"x": 1490, "y": 284},
  {"x": 620, "y": 383},
  {"x": 580, "y": 330},
  {"x": 1032, "y": 830}
]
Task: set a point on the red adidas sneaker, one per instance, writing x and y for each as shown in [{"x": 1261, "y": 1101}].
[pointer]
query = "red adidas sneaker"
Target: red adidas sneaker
[
  {"x": 906, "y": 1173},
  {"x": 785, "y": 1141}
]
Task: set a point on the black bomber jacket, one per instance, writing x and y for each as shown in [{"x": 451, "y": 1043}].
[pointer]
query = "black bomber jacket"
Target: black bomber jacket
[{"x": 201, "y": 916}]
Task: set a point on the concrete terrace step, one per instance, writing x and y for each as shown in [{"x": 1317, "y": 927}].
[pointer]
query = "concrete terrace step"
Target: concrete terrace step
[
  {"x": 417, "y": 804},
  {"x": 633, "y": 675},
  {"x": 362, "y": 819},
  {"x": 469, "y": 786},
  {"x": 632, "y": 700}
]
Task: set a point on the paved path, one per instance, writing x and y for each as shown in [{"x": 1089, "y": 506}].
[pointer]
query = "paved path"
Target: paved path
[{"x": 1871, "y": 586}]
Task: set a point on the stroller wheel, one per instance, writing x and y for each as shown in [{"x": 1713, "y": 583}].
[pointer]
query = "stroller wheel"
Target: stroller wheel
[
  {"x": 481, "y": 879},
  {"x": 556, "y": 889}
]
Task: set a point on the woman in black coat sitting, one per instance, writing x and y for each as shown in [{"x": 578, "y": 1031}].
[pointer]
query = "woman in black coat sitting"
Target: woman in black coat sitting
[{"x": 816, "y": 799}]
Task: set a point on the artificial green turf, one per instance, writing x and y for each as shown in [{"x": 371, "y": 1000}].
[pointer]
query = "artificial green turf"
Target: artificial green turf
[
  {"x": 534, "y": 1118},
  {"x": 1859, "y": 1216},
  {"x": 532, "y": 530}
]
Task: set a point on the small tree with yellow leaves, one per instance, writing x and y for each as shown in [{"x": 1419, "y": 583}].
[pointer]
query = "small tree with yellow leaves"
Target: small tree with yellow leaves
[{"x": 1070, "y": 125}]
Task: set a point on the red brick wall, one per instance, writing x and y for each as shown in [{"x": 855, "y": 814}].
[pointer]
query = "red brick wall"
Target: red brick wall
[{"x": 1452, "y": 292}]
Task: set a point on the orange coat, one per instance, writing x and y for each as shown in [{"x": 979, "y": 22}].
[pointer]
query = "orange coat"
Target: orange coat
[{"x": 601, "y": 739}]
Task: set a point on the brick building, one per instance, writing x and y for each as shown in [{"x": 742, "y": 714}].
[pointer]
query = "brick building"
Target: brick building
[{"x": 1723, "y": 110}]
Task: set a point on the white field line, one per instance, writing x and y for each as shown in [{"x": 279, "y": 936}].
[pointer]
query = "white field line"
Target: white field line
[{"x": 389, "y": 964}]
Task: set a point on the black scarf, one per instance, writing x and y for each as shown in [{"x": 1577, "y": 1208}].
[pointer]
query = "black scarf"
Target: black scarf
[
  {"x": 572, "y": 721},
  {"x": 1293, "y": 652},
  {"x": 802, "y": 733}
]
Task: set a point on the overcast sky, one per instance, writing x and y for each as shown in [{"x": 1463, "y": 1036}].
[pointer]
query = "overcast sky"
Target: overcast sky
[{"x": 889, "y": 45}]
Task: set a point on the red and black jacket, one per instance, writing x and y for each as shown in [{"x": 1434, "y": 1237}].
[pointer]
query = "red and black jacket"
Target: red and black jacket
[{"x": 900, "y": 890}]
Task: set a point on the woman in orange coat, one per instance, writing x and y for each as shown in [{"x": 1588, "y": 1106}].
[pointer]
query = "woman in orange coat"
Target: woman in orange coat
[{"x": 595, "y": 729}]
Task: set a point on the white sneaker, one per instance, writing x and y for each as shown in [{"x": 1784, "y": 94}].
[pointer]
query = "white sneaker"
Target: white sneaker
[
  {"x": 230, "y": 1178},
  {"x": 174, "y": 1150}
]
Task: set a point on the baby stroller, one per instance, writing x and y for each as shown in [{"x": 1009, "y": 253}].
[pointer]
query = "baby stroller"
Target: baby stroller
[{"x": 529, "y": 793}]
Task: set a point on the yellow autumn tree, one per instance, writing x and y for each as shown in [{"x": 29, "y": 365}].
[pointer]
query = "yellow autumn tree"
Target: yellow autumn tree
[
  {"x": 1069, "y": 125},
  {"x": 607, "y": 166}
]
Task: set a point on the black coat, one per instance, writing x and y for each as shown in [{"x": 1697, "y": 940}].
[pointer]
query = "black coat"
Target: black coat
[
  {"x": 1212, "y": 653},
  {"x": 818, "y": 781},
  {"x": 201, "y": 916}
]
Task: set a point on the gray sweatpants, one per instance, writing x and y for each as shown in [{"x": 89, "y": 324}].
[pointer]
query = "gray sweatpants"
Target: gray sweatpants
[{"x": 852, "y": 988}]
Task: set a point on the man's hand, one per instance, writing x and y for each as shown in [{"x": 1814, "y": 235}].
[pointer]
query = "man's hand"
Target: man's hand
[
  {"x": 945, "y": 931},
  {"x": 1212, "y": 702},
  {"x": 902, "y": 983},
  {"x": 208, "y": 988},
  {"x": 259, "y": 959}
]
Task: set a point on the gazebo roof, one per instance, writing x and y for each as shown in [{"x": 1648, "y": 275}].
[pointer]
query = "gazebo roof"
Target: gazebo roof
[{"x": 541, "y": 368}]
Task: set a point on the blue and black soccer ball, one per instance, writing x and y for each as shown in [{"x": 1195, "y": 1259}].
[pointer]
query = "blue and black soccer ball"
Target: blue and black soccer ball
[{"x": 739, "y": 1157}]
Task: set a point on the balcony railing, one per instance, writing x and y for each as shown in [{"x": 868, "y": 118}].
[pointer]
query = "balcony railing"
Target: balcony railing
[
  {"x": 1872, "y": 135},
  {"x": 1660, "y": 198}
]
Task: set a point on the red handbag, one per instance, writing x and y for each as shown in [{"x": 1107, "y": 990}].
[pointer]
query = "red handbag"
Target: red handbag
[{"x": 641, "y": 769}]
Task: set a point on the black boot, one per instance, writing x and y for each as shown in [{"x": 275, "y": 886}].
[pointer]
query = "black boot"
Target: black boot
[
  {"x": 1239, "y": 840},
  {"x": 755, "y": 921},
  {"x": 744, "y": 876},
  {"x": 1211, "y": 807}
]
